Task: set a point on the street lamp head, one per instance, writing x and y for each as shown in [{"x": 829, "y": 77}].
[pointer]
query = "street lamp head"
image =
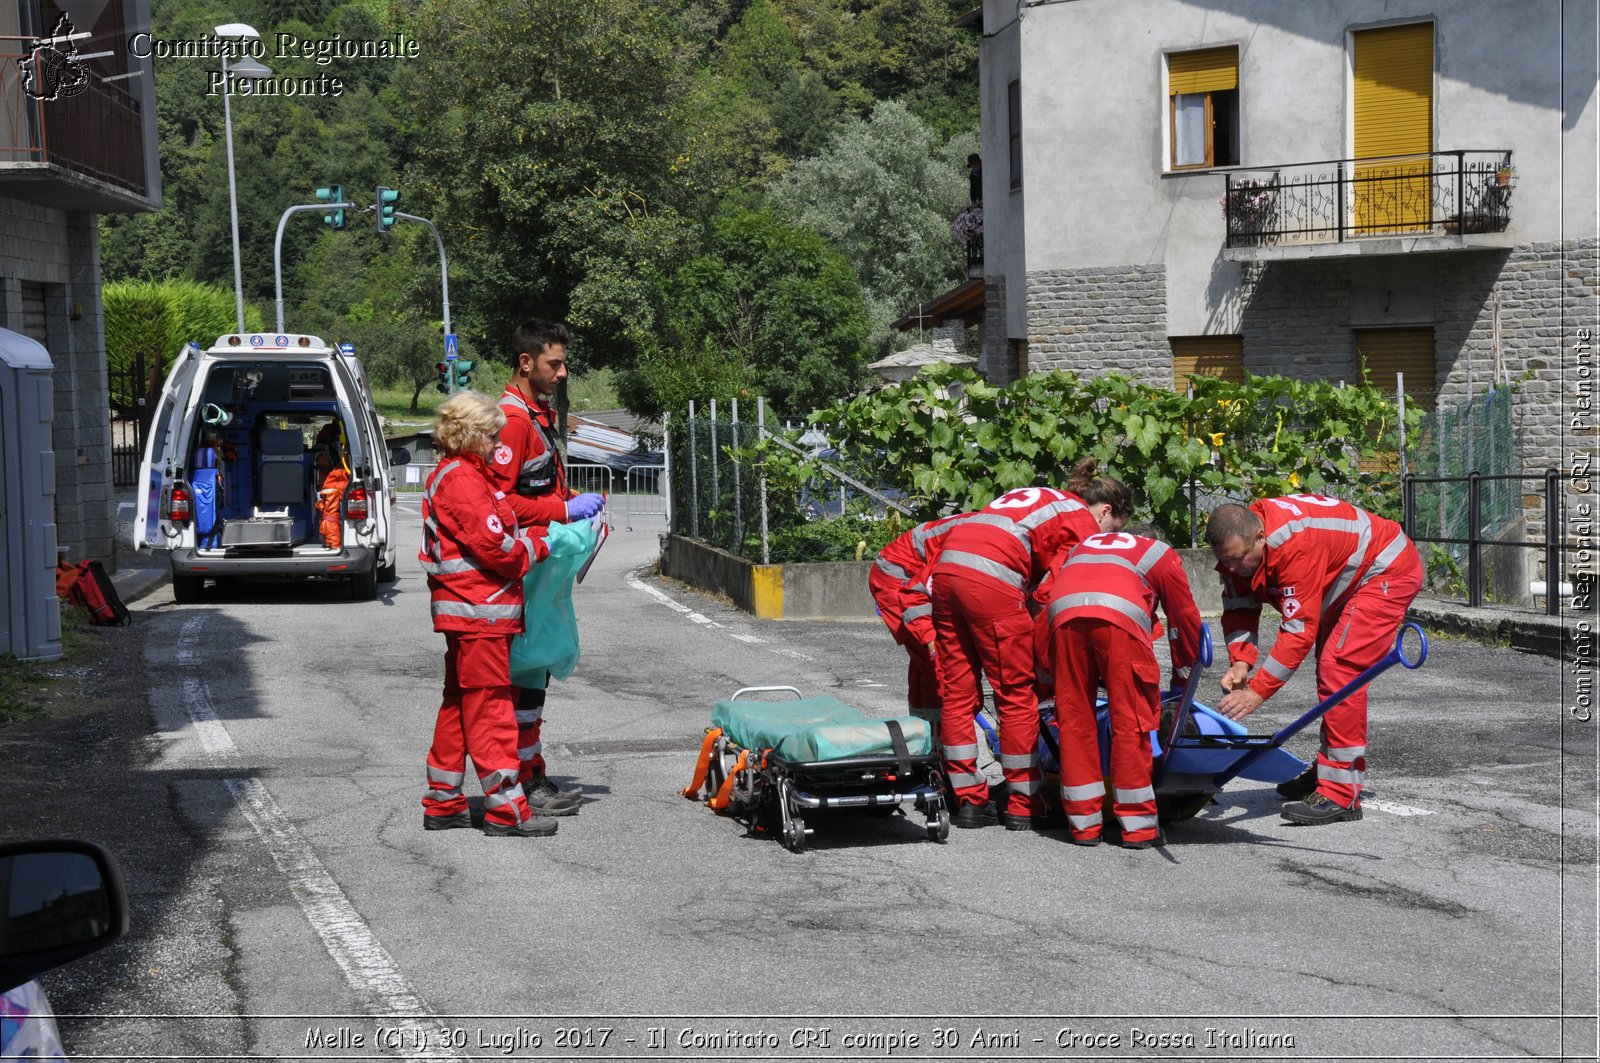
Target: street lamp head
[
  {"x": 250, "y": 68},
  {"x": 237, "y": 29}
]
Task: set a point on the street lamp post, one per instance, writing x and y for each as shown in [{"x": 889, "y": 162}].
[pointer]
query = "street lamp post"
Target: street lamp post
[{"x": 249, "y": 68}]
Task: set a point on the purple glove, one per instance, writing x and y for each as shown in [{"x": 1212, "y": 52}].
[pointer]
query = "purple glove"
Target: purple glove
[{"x": 584, "y": 506}]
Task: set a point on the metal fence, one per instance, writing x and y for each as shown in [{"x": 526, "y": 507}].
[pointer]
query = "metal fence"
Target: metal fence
[
  {"x": 1496, "y": 560},
  {"x": 637, "y": 498}
]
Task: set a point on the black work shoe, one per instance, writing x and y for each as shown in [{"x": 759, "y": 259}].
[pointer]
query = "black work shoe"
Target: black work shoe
[
  {"x": 451, "y": 822},
  {"x": 538, "y": 827},
  {"x": 546, "y": 800},
  {"x": 971, "y": 816},
  {"x": 1018, "y": 822},
  {"x": 1075, "y": 840},
  {"x": 1159, "y": 841},
  {"x": 1300, "y": 787},
  {"x": 573, "y": 795},
  {"x": 1319, "y": 809}
]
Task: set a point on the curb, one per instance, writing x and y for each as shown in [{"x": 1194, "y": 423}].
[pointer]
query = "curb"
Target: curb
[
  {"x": 135, "y": 583},
  {"x": 1528, "y": 632}
]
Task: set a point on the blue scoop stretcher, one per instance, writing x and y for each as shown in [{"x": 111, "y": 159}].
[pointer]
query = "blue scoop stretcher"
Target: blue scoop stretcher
[{"x": 1187, "y": 769}]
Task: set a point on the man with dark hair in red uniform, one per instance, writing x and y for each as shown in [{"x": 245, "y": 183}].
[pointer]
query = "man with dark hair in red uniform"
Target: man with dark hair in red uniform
[
  {"x": 905, "y": 609},
  {"x": 527, "y": 467},
  {"x": 1103, "y": 615},
  {"x": 1343, "y": 579}
]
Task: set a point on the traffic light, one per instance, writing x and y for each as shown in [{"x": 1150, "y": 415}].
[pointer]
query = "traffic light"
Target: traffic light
[
  {"x": 385, "y": 204},
  {"x": 333, "y": 194},
  {"x": 463, "y": 374},
  {"x": 443, "y": 383}
]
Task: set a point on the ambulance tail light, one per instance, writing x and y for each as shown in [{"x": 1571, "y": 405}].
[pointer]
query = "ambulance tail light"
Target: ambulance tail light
[
  {"x": 355, "y": 504},
  {"x": 180, "y": 505}
]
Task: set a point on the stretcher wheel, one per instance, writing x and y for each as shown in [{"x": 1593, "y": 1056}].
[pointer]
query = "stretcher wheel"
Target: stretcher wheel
[
  {"x": 794, "y": 835},
  {"x": 939, "y": 828},
  {"x": 1173, "y": 808}
]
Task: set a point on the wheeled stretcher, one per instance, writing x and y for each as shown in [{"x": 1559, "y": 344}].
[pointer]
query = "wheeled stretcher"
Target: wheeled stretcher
[
  {"x": 1197, "y": 751},
  {"x": 766, "y": 763}
]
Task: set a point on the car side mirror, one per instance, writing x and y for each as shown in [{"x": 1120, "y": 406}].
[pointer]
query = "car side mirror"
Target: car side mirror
[
  {"x": 64, "y": 900},
  {"x": 400, "y": 456}
]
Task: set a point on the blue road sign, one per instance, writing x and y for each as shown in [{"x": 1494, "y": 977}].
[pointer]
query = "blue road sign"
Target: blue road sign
[{"x": 450, "y": 346}]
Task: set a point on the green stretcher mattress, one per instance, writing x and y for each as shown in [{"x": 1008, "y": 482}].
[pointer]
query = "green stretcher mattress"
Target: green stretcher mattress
[{"x": 807, "y": 730}]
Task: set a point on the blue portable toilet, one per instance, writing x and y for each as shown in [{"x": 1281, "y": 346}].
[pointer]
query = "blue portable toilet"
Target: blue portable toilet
[{"x": 30, "y": 614}]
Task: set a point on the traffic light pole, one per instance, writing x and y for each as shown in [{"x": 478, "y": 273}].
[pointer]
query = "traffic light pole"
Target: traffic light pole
[
  {"x": 277, "y": 250},
  {"x": 444, "y": 268}
]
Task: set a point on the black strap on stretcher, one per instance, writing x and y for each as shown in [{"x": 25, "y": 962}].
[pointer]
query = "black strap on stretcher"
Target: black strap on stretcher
[{"x": 902, "y": 752}]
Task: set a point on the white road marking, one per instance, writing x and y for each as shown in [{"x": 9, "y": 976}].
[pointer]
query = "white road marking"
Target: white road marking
[
  {"x": 1397, "y": 809},
  {"x": 366, "y": 964},
  {"x": 705, "y": 621}
]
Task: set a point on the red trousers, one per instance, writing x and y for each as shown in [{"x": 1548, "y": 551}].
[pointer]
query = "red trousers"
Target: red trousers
[
  {"x": 529, "y": 705},
  {"x": 475, "y": 720},
  {"x": 922, "y": 674},
  {"x": 1087, "y": 651},
  {"x": 1350, "y": 641},
  {"x": 984, "y": 629}
]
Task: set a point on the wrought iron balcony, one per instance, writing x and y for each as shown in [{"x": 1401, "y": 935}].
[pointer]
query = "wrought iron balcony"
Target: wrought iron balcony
[
  {"x": 1442, "y": 193},
  {"x": 96, "y": 132}
]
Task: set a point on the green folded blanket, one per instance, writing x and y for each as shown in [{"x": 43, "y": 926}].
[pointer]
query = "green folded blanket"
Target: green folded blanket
[{"x": 816, "y": 729}]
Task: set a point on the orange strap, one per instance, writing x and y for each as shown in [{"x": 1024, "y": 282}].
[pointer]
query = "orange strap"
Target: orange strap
[
  {"x": 703, "y": 765},
  {"x": 725, "y": 794}
]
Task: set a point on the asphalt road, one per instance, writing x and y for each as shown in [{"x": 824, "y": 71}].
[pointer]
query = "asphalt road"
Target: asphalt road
[{"x": 262, "y": 791}]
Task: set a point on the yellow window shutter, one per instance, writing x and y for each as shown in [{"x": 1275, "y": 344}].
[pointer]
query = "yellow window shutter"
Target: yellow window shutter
[
  {"x": 1394, "y": 90},
  {"x": 1383, "y": 352},
  {"x": 1208, "y": 70},
  {"x": 1218, "y": 356}
]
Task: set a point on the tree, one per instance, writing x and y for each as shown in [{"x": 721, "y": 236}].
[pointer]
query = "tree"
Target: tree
[
  {"x": 884, "y": 192},
  {"x": 771, "y": 308}
]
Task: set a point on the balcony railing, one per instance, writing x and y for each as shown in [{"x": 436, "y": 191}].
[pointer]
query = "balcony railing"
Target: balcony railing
[
  {"x": 99, "y": 132},
  {"x": 1441, "y": 193}
]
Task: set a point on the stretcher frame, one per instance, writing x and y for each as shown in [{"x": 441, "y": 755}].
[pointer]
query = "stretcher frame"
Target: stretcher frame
[{"x": 751, "y": 785}]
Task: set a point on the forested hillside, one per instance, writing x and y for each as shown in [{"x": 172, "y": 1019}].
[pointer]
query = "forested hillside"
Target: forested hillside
[{"x": 716, "y": 194}]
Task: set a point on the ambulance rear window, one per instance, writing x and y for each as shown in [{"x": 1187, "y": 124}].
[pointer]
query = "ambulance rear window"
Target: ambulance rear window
[{"x": 232, "y": 383}]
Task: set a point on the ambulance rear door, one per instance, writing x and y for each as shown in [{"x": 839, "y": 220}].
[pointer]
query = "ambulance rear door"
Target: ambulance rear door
[{"x": 163, "y": 450}]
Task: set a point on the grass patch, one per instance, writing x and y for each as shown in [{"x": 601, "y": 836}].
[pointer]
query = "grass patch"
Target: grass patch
[{"x": 25, "y": 686}]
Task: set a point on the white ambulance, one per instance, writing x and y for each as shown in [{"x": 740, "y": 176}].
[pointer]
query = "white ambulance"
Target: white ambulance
[{"x": 266, "y": 460}]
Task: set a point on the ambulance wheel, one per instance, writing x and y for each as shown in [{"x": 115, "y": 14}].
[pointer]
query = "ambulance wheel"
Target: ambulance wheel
[
  {"x": 389, "y": 573},
  {"x": 1173, "y": 808},
  {"x": 939, "y": 829},
  {"x": 364, "y": 585},
  {"x": 794, "y": 835},
  {"x": 187, "y": 589}
]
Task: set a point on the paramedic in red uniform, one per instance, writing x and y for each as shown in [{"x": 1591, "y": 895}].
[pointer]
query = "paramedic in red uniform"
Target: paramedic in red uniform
[
  {"x": 908, "y": 613},
  {"x": 475, "y": 560},
  {"x": 527, "y": 467},
  {"x": 1103, "y": 618},
  {"x": 1343, "y": 579},
  {"x": 980, "y": 588}
]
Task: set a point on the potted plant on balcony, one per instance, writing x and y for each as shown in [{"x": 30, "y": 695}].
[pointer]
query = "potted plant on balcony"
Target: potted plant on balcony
[
  {"x": 1248, "y": 207},
  {"x": 968, "y": 225},
  {"x": 1502, "y": 174}
]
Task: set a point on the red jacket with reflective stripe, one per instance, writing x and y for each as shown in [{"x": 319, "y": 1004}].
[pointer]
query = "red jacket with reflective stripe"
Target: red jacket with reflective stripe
[
  {"x": 471, "y": 551},
  {"x": 902, "y": 606},
  {"x": 1120, "y": 578},
  {"x": 527, "y": 454},
  {"x": 1318, "y": 551},
  {"x": 1017, "y": 538}
]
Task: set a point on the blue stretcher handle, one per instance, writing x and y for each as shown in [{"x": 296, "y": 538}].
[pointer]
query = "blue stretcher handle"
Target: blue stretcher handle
[
  {"x": 1396, "y": 655},
  {"x": 1158, "y": 772}
]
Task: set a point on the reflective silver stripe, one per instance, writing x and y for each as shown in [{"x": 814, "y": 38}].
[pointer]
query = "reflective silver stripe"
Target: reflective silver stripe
[
  {"x": 1293, "y": 627},
  {"x": 961, "y": 778},
  {"x": 1103, "y": 559},
  {"x": 1109, "y": 601},
  {"x": 448, "y": 778},
  {"x": 480, "y": 612},
  {"x": 1300, "y": 524},
  {"x": 503, "y": 588},
  {"x": 1133, "y": 823},
  {"x": 1045, "y": 514},
  {"x": 526, "y": 716},
  {"x": 1086, "y": 792},
  {"x": 1021, "y": 761},
  {"x": 984, "y": 565},
  {"x": 1242, "y": 636},
  {"x": 529, "y": 752},
  {"x": 1156, "y": 554},
  {"x": 1084, "y": 822},
  {"x": 1133, "y": 797},
  {"x": 454, "y": 565},
  {"x": 892, "y": 570},
  {"x": 445, "y": 795},
  {"x": 923, "y": 534},
  {"x": 1353, "y": 563},
  {"x": 966, "y": 752},
  {"x": 1277, "y": 669},
  {"x": 1340, "y": 775},
  {"x": 1241, "y": 603},
  {"x": 917, "y": 612},
  {"x": 1005, "y": 524},
  {"x": 1024, "y": 786},
  {"x": 1390, "y": 553},
  {"x": 1343, "y": 754}
]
